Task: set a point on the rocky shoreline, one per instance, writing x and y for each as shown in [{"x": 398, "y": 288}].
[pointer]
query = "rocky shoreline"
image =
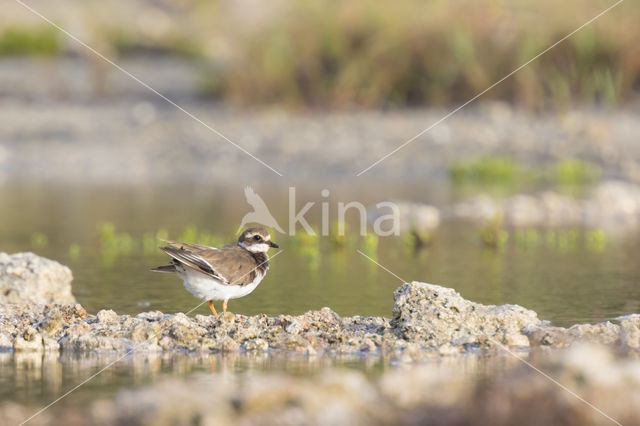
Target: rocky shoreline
[{"x": 427, "y": 321}]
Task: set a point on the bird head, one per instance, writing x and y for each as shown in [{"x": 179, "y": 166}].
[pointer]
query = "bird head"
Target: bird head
[{"x": 256, "y": 240}]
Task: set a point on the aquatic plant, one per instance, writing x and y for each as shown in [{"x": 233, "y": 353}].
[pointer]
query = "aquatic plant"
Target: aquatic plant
[
  {"x": 307, "y": 245},
  {"x": 209, "y": 239},
  {"x": 39, "y": 240},
  {"x": 74, "y": 251},
  {"x": 190, "y": 235},
  {"x": 369, "y": 245},
  {"x": 528, "y": 237},
  {"x": 417, "y": 239},
  {"x": 113, "y": 244},
  {"x": 493, "y": 234},
  {"x": 339, "y": 236},
  {"x": 567, "y": 239},
  {"x": 150, "y": 243},
  {"x": 596, "y": 240}
]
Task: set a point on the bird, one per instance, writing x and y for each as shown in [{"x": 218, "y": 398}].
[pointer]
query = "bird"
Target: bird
[
  {"x": 260, "y": 213},
  {"x": 229, "y": 272}
]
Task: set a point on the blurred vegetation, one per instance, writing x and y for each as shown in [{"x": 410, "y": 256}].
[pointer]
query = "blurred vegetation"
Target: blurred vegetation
[
  {"x": 417, "y": 239},
  {"x": 487, "y": 170},
  {"x": 375, "y": 54},
  {"x": 369, "y": 53},
  {"x": 505, "y": 172},
  {"x": 42, "y": 40},
  {"x": 493, "y": 234},
  {"x": 311, "y": 249},
  {"x": 39, "y": 240}
]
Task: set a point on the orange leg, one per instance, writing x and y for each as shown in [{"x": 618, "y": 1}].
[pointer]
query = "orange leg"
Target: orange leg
[
  {"x": 224, "y": 306},
  {"x": 213, "y": 309}
]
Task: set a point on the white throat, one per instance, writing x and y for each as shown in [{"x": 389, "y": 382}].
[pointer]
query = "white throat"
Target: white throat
[{"x": 255, "y": 248}]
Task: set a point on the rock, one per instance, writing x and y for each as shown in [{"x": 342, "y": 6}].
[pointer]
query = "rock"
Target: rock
[
  {"x": 436, "y": 316},
  {"x": 413, "y": 216},
  {"x": 31, "y": 340},
  {"x": 145, "y": 332},
  {"x": 227, "y": 318},
  {"x": 604, "y": 333},
  {"x": 524, "y": 210},
  {"x": 28, "y": 278},
  {"x": 106, "y": 316},
  {"x": 478, "y": 209},
  {"x": 6, "y": 343},
  {"x": 611, "y": 205},
  {"x": 256, "y": 345},
  {"x": 630, "y": 331}
]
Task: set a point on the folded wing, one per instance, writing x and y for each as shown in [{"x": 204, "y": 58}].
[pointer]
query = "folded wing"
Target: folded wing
[{"x": 194, "y": 257}]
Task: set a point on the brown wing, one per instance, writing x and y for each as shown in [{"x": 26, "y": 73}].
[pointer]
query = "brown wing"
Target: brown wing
[
  {"x": 187, "y": 246},
  {"x": 232, "y": 262},
  {"x": 195, "y": 261}
]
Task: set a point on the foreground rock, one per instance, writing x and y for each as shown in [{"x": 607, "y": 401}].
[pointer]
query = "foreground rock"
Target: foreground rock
[
  {"x": 28, "y": 278},
  {"x": 428, "y": 321}
]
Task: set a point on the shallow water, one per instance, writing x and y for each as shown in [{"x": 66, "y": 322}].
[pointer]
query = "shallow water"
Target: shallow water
[{"x": 576, "y": 284}]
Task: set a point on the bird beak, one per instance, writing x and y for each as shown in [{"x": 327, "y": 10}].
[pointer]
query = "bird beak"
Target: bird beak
[{"x": 272, "y": 244}]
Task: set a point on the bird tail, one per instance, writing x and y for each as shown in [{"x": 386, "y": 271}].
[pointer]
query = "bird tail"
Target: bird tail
[{"x": 166, "y": 268}]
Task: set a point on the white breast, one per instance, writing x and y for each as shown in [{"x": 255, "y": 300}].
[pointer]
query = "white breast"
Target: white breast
[{"x": 207, "y": 288}]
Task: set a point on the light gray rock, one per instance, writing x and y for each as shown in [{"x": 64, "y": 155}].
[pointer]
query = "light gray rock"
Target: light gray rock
[
  {"x": 428, "y": 322},
  {"x": 29, "y": 278},
  {"x": 438, "y": 317},
  {"x": 413, "y": 216},
  {"x": 611, "y": 205},
  {"x": 630, "y": 330}
]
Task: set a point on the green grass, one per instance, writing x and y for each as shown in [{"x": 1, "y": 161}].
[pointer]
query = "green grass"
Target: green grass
[
  {"x": 503, "y": 173},
  {"x": 368, "y": 53},
  {"x": 487, "y": 170},
  {"x": 41, "y": 41},
  {"x": 572, "y": 171}
]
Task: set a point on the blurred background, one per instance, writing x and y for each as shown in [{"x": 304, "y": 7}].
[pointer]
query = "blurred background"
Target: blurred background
[{"x": 529, "y": 195}]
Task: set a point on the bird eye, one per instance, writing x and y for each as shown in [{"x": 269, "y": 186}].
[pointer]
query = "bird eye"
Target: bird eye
[{"x": 257, "y": 238}]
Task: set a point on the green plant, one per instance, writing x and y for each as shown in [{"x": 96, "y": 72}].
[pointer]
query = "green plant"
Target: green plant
[
  {"x": 39, "y": 240},
  {"x": 596, "y": 240},
  {"x": 493, "y": 234},
  {"x": 486, "y": 170},
  {"x": 369, "y": 244},
  {"x": 573, "y": 171},
  {"x": 417, "y": 239},
  {"x": 74, "y": 251},
  {"x": 30, "y": 41}
]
